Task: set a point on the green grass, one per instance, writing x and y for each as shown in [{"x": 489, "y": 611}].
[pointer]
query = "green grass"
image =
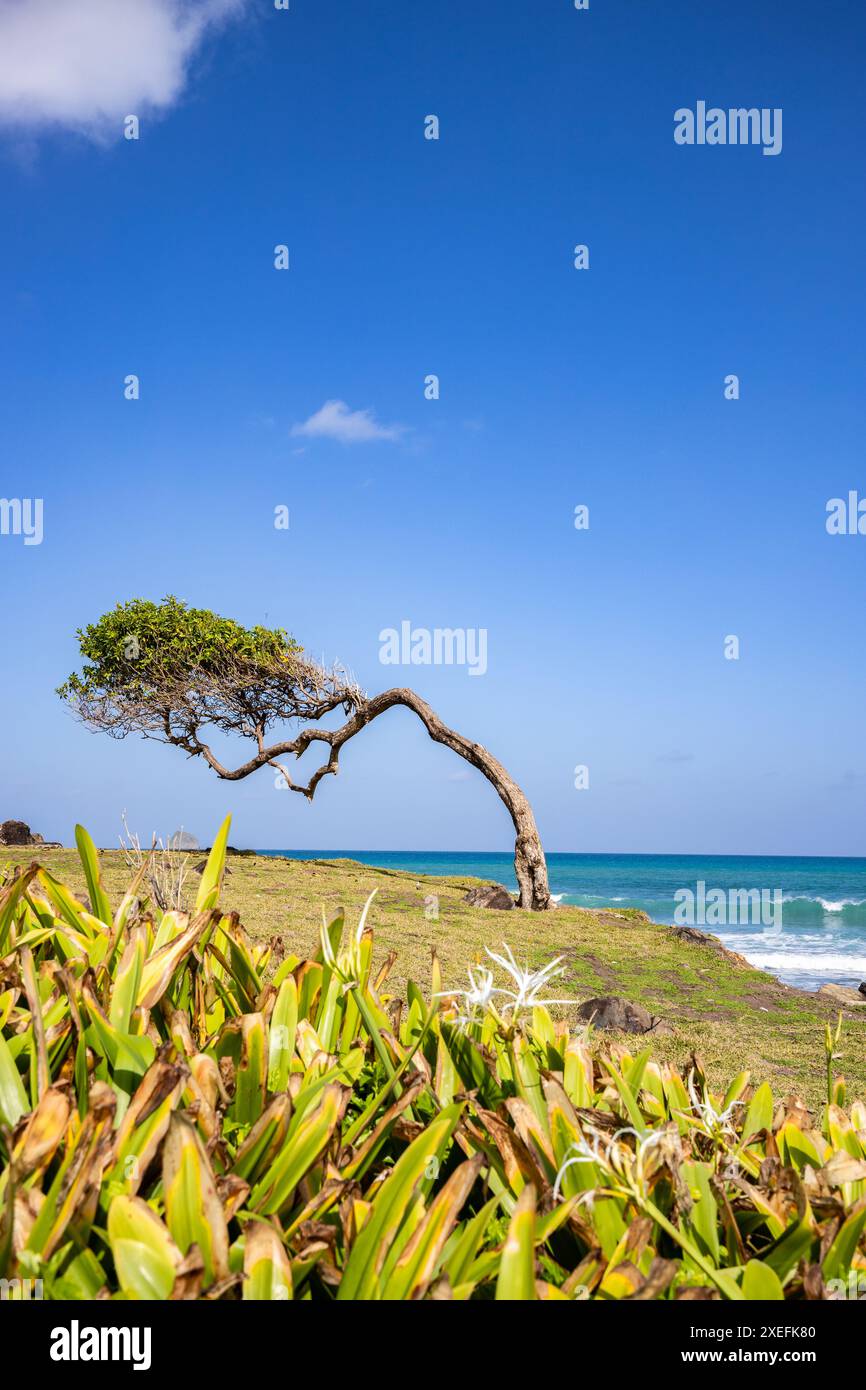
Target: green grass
[{"x": 732, "y": 1016}]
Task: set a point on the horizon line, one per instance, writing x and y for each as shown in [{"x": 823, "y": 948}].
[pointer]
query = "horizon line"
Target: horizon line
[{"x": 578, "y": 853}]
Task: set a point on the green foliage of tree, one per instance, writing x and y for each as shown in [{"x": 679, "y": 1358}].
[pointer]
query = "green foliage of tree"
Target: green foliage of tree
[{"x": 141, "y": 644}]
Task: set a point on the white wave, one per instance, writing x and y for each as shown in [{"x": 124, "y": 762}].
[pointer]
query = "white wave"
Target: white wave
[
  {"x": 816, "y": 962},
  {"x": 828, "y": 904}
]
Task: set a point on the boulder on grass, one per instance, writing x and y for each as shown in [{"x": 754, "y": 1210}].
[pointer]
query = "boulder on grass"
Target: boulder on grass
[
  {"x": 490, "y": 895},
  {"x": 618, "y": 1015},
  {"x": 16, "y": 832},
  {"x": 842, "y": 995}
]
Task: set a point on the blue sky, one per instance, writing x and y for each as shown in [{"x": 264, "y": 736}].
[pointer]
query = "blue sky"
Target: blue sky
[{"x": 558, "y": 387}]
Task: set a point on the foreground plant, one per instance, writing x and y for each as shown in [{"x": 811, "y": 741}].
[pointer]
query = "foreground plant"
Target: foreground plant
[{"x": 178, "y": 1123}]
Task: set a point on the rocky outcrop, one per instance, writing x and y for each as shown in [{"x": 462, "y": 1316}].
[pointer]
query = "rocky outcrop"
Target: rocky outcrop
[
  {"x": 16, "y": 833},
  {"x": 840, "y": 994},
  {"x": 618, "y": 1015},
  {"x": 695, "y": 937},
  {"x": 181, "y": 839},
  {"x": 490, "y": 895}
]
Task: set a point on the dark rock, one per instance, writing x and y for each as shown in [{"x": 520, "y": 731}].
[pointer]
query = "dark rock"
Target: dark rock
[
  {"x": 862, "y": 987},
  {"x": 610, "y": 1012},
  {"x": 16, "y": 832},
  {"x": 490, "y": 895},
  {"x": 695, "y": 936}
]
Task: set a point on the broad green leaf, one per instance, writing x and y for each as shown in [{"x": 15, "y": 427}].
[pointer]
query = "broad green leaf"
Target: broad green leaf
[
  {"x": 267, "y": 1271},
  {"x": 704, "y": 1215},
  {"x": 419, "y": 1262},
  {"x": 124, "y": 992},
  {"x": 735, "y": 1090},
  {"x": 145, "y": 1256},
  {"x": 13, "y": 1097},
  {"x": 281, "y": 1039},
  {"x": 516, "y": 1280},
  {"x": 792, "y": 1246},
  {"x": 69, "y": 1195},
  {"x": 761, "y": 1283},
  {"x": 156, "y": 975},
  {"x": 759, "y": 1114},
  {"x": 251, "y": 1073},
  {"x": 82, "y": 1279},
  {"x": 194, "y": 1212},
  {"x": 465, "y": 1244},
  {"x": 264, "y": 1141},
  {"x": 208, "y": 893},
  {"x": 839, "y": 1257},
  {"x": 361, "y": 1277},
  {"x": 308, "y": 1136},
  {"x": 100, "y": 907}
]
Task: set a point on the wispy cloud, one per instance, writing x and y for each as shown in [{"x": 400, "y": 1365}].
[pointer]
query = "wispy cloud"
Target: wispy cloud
[
  {"x": 336, "y": 421},
  {"x": 84, "y": 65}
]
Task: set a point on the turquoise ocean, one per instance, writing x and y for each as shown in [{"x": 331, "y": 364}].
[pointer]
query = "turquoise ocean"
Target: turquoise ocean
[{"x": 822, "y": 938}]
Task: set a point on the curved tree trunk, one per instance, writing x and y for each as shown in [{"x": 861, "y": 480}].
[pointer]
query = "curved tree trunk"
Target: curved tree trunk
[{"x": 529, "y": 862}]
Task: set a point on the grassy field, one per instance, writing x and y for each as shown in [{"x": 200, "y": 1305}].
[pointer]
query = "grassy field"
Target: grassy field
[{"x": 731, "y": 1015}]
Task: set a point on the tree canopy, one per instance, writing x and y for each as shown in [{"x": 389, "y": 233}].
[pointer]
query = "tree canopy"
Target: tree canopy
[{"x": 164, "y": 670}]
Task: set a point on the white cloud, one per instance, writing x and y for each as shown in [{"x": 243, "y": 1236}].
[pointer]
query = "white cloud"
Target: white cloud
[
  {"x": 85, "y": 64},
  {"x": 336, "y": 421}
]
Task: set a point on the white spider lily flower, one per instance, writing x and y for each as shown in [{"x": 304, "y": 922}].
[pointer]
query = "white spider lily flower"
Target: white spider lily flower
[
  {"x": 623, "y": 1167},
  {"x": 720, "y": 1118},
  {"x": 480, "y": 997},
  {"x": 583, "y": 1152},
  {"x": 477, "y": 999},
  {"x": 528, "y": 982},
  {"x": 480, "y": 991},
  {"x": 346, "y": 965},
  {"x": 711, "y": 1118}
]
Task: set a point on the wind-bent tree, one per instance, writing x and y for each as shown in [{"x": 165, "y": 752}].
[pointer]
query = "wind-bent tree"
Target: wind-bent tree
[{"x": 169, "y": 672}]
